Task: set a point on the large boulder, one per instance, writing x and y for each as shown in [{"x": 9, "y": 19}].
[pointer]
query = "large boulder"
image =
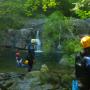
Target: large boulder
[{"x": 81, "y": 26}]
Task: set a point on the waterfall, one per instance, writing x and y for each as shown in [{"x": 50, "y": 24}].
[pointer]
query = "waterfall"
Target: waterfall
[{"x": 38, "y": 43}]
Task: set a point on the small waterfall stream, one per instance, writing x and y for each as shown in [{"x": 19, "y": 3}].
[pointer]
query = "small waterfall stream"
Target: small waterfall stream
[{"x": 38, "y": 42}]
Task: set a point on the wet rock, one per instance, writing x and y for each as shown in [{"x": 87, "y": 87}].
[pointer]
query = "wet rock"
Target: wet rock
[
  {"x": 81, "y": 26},
  {"x": 8, "y": 83},
  {"x": 47, "y": 87},
  {"x": 36, "y": 80},
  {"x": 8, "y": 79},
  {"x": 33, "y": 74}
]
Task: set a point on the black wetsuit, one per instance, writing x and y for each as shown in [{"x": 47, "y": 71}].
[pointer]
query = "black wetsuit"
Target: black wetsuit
[
  {"x": 82, "y": 73},
  {"x": 30, "y": 57}
]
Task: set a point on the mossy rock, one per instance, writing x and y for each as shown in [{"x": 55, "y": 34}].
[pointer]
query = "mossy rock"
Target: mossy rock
[{"x": 33, "y": 74}]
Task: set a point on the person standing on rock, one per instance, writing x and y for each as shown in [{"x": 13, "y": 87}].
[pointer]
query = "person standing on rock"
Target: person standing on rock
[
  {"x": 31, "y": 54},
  {"x": 82, "y": 64}
]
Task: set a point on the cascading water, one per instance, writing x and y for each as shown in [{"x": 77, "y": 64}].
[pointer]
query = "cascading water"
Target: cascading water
[{"x": 38, "y": 43}]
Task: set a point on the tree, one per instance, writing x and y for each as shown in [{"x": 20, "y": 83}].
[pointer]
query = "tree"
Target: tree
[
  {"x": 82, "y": 9},
  {"x": 38, "y": 6},
  {"x": 34, "y": 7},
  {"x": 11, "y": 13},
  {"x": 56, "y": 29}
]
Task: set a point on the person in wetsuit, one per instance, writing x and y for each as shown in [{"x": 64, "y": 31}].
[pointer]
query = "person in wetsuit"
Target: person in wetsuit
[
  {"x": 82, "y": 64},
  {"x": 31, "y": 55}
]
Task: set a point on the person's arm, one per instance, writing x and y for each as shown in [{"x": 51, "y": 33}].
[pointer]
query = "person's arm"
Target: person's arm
[
  {"x": 77, "y": 59},
  {"x": 77, "y": 65}
]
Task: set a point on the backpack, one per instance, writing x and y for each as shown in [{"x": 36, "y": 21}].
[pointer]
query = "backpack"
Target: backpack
[{"x": 30, "y": 48}]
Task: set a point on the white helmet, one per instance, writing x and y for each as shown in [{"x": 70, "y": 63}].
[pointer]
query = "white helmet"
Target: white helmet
[{"x": 33, "y": 40}]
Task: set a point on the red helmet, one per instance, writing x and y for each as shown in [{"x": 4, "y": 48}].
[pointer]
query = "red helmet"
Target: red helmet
[{"x": 17, "y": 54}]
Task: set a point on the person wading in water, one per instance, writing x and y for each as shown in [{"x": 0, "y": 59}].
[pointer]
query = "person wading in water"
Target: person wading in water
[{"x": 31, "y": 55}]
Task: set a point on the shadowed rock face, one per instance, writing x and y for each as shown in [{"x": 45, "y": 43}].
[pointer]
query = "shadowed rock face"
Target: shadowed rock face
[
  {"x": 88, "y": 20},
  {"x": 8, "y": 79},
  {"x": 81, "y": 26},
  {"x": 20, "y": 38},
  {"x": 34, "y": 22}
]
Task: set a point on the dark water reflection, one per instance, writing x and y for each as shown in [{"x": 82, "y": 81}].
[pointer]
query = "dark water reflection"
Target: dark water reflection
[
  {"x": 47, "y": 58},
  {"x": 8, "y": 61}
]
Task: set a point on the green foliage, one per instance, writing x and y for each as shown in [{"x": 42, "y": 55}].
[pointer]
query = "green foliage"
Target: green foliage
[
  {"x": 69, "y": 59},
  {"x": 71, "y": 46},
  {"x": 83, "y": 14},
  {"x": 7, "y": 7},
  {"x": 61, "y": 76},
  {"x": 82, "y": 8},
  {"x": 58, "y": 29},
  {"x": 7, "y": 22},
  {"x": 34, "y": 7},
  {"x": 66, "y": 80},
  {"x": 11, "y": 14},
  {"x": 44, "y": 68},
  {"x": 52, "y": 31}
]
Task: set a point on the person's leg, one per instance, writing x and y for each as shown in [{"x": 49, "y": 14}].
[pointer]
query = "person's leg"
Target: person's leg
[
  {"x": 84, "y": 84},
  {"x": 21, "y": 64},
  {"x": 29, "y": 67},
  {"x": 17, "y": 63}
]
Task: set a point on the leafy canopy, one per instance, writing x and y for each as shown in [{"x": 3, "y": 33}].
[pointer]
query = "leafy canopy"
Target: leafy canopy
[
  {"x": 82, "y": 8},
  {"x": 11, "y": 13},
  {"x": 52, "y": 31},
  {"x": 33, "y": 7}
]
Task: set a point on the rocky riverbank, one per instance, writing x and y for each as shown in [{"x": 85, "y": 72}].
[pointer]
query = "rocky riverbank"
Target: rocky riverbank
[
  {"x": 8, "y": 79},
  {"x": 43, "y": 79}
]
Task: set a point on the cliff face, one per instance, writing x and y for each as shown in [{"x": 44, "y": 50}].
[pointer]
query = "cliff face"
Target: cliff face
[
  {"x": 81, "y": 26},
  {"x": 20, "y": 38}
]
